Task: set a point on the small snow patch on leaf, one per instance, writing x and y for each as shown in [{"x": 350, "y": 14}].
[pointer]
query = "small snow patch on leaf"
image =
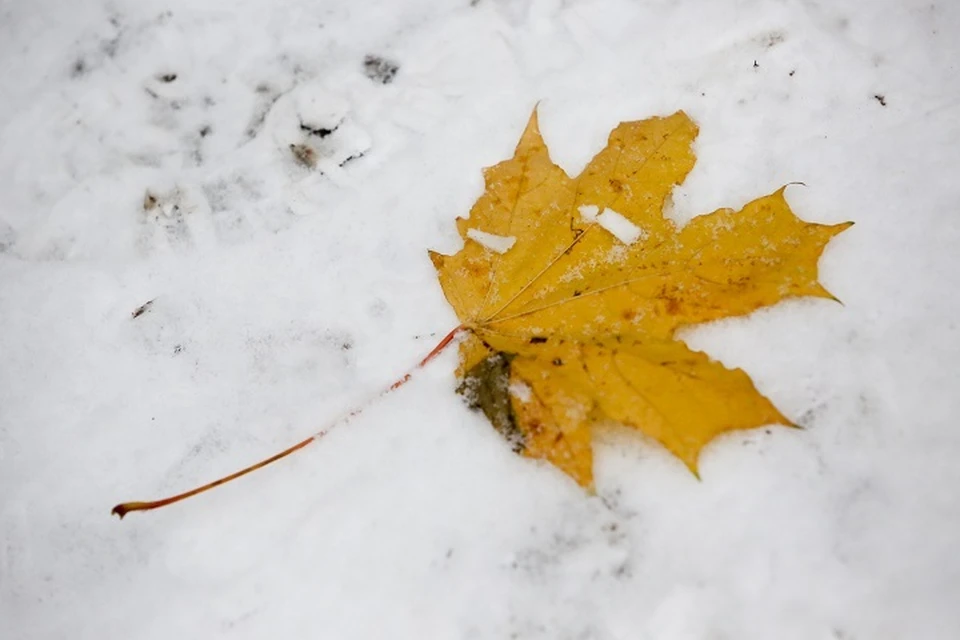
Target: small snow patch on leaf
[
  {"x": 624, "y": 230},
  {"x": 589, "y": 212},
  {"x": 521, "y": 391},
  {"x": 500, "y": 244}
]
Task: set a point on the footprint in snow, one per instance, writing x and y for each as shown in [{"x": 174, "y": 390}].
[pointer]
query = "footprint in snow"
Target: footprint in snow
[
  {"x": 120, "y": 216},
  {"x": 175, "y": 218},
  {"x": 313, "y": 127}
]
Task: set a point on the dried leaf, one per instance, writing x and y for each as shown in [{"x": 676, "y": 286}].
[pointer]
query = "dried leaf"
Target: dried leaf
[{"x": 583, "y": 283}]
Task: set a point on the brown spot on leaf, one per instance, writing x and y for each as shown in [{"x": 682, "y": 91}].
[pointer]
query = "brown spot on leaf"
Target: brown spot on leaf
[
  {"x": 477, "y": 269},
  {"x": 486, "y": 388}
]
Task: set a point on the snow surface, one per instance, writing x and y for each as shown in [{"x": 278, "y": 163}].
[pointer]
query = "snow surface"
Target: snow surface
[{"x": 284, "y": 295}]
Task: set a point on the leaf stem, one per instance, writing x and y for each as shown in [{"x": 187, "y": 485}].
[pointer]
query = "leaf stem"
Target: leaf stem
[{"x": 126, "y": 507}]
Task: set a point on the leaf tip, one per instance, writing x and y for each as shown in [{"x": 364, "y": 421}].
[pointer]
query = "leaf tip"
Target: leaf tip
[
  {"x": 691, "y": 123},
  {"x": 693, "y": 465},
  {"x": 531, "y": 133},
  {"x": 683, "y": 115},
  {"x": 436, "y": 258},
  {"x": 819, "y": 291},
  {"x": 780, "y": 420}
]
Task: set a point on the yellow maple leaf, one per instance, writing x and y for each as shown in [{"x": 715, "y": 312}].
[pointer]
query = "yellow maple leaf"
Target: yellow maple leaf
[
  {"x": 571, "y": 291},
  {"x": 574, "y": 288}
]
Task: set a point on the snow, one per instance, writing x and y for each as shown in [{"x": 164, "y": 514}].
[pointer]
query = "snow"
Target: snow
[
  {"x": 624, "y": 230},
  {"x": 589, "y": 212},
  {"x": 521, "y": 391},
  {"x": 285, "y": 294},
  {"x": 499, "y": 244},
  {"x": 619, "y": 226}
]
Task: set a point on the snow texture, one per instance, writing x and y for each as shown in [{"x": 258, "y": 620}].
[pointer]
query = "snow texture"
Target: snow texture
[{"x": 271, "y": 174}]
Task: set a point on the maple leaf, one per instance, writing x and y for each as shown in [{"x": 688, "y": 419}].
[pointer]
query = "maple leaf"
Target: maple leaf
[{"x": 572, "y": 290}]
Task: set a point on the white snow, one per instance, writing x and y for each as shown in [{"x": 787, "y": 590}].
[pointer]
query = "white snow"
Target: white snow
[
  {"x": 499, "y": 244},
  {"x": 589, "y": 212},
  {"x": 521, "y": 390},
  {"x": 624, "y": 230},
  {"x": 616, "y": 223},
  {"x": 284, "y": 294}
]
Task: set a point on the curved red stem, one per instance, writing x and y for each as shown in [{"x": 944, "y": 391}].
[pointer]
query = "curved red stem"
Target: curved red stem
[{"x": 124, "y": 508}]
